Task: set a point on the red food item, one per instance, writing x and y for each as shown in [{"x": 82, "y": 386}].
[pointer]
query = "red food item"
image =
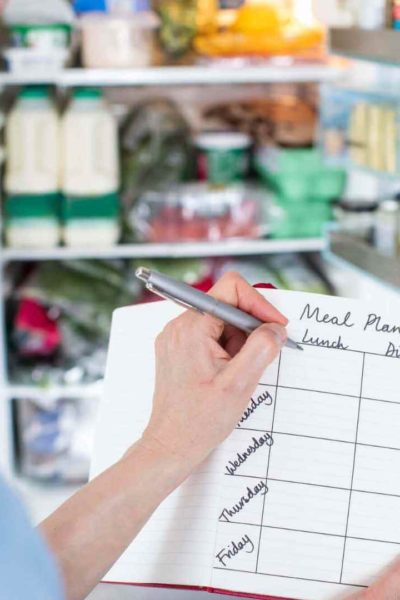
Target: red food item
[
  {"x": 202, "y": 167},
  {"x": 205, "y": 284},
  {"x": 184, "y": 224},
  {"x": 195, "y": 229},
  {"x": 36, "y": 333}
]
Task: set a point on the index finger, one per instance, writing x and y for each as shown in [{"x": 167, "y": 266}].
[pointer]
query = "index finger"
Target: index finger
[{"x": 235, "y": 290}]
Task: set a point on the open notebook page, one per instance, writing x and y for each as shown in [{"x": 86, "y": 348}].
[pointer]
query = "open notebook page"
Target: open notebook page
[
  {"x": 177, "y": 545},
  {"x": 308, "y": 497}
]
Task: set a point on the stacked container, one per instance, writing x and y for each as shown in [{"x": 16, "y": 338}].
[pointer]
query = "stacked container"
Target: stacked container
[
  {"x": 90, "y": 177},
  {"x": 33, "y": 171}
]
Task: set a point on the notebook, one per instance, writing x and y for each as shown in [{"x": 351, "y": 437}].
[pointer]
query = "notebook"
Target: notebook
[{"x": 303, "y": 499}]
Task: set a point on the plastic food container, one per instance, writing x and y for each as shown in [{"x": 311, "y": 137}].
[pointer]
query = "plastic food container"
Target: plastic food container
[
  {"x": 113, "y": 41},
  {"x": 196, "y": 212},
  {"x": 357, "y": 217},
  {"x": 37, "y": 61},
  {"x": 33, "y": 144},
  {"x": 300, "y": 175},
  {"x": 55, "y": 438},
  {"x": 89, "y": 140},
  {"x": 222, "y": 157},
  {"x": 43, "y": 37}
]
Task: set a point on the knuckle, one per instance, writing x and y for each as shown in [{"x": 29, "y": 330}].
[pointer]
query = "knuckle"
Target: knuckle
[
  {"x": 173, "y": 330},
  {"x": 268, "y": 341},
  {"x": 165, "y": 334},
  {"x": 170, "y": 329},
  {"x": 159, "y": 342},
  {"x": 231, "y": 277}
]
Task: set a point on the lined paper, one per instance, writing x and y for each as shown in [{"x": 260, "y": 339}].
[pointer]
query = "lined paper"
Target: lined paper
[
  {"x": 176, "y": 546},
  {"x": 303, "y": 499},
  {"x": 329, "y": 521}
]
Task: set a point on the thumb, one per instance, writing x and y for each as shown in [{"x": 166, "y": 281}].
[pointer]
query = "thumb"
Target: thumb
[{"x": 259, "y": 351}]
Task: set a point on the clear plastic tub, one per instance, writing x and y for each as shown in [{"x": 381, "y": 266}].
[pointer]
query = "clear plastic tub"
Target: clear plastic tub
[
  {"x": 36, "y": 61},
  {"x": 118, "y": 41},
  {"x": 197, "y": 212}
]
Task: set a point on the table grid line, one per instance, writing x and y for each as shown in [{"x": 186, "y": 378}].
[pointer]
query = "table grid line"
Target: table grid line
[
  {"x": 324, "y": 533},
  {"x": 354, "y": 466},
  {"x": 348, "y": 350},
  {"x": 269, "y": 458},
  {"x": 350, "y": 489},
  {"x": 314, "y": 437},
  {"x": 319, "y": 485},
  {"x": 288, "y": 387}
]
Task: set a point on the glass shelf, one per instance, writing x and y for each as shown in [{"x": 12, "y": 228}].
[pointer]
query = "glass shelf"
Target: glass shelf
[
  {"x": 170, "y": 250},
  {"x": 381, "y": 46},
  {"x": 356, "y": 254}
]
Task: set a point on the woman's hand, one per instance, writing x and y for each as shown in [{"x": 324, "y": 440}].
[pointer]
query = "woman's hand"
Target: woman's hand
[{"x": 206, "y": 372}]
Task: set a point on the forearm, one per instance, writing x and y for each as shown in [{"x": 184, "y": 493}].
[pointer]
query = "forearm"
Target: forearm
[{"x": 90, "y": 531}]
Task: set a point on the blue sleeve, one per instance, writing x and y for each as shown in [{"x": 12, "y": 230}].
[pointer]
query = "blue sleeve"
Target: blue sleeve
[{"x": 27, "y": 569}]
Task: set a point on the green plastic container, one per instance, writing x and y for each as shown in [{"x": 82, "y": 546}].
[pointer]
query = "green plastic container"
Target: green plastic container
[
  {"x": 303, "y": 219},
  {"x": 222, "y": 157},
  {"x": 300, "y": 175}
]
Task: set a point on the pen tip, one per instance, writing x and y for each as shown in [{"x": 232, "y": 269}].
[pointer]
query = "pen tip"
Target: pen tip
[
  {"x": 300, "y": 347},
  {"x": 143, "y": 274}
]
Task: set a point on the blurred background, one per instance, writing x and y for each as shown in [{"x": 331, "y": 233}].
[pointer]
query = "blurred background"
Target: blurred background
[{"x": 192, "y": 136}]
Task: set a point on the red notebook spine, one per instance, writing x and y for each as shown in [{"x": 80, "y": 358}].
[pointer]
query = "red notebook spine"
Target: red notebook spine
[{"x": 195, "y": 588}]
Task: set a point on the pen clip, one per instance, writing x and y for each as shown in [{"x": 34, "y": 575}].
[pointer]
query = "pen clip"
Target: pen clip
[{"x": 167, "y": 296}]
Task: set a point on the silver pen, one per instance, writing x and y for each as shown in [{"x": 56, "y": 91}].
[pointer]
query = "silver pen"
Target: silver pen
[{"x": 189, "y": 297}]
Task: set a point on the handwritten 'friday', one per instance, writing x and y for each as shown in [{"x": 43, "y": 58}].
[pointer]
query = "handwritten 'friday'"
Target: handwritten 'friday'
[{"x": 373, "y": 321}]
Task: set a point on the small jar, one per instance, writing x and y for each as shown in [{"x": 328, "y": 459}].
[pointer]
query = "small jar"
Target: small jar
[
  {"x": 357, "y": 217},
  {"x": 223, "y": 157},
  {"x": 387, "y": 226}
]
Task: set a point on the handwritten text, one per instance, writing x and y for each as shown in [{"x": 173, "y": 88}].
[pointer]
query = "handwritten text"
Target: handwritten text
[
  {"x": 258, "y": 443},
  {"x": 259, "y": 489},
  {"x": 234, "y": 548},
  {"x": 264, "y": 398}
]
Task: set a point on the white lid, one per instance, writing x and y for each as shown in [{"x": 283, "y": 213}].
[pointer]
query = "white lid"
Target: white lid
[
  {"x": 224, "y": 140},
  {"x": 389, "y": 205},
  {"x": 143, "y": 20}
]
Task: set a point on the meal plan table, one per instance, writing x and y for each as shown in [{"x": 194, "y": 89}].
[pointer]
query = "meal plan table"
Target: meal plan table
[
  {"x": 302, "y": 500},
  {"x": 312, "y": 471}
]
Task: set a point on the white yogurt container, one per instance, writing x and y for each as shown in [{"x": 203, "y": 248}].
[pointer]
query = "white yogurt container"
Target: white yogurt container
[{"x": 117, "y": 41}]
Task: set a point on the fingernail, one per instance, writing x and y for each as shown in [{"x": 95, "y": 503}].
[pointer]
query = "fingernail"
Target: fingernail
[{"x": 279, "y": 331}]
